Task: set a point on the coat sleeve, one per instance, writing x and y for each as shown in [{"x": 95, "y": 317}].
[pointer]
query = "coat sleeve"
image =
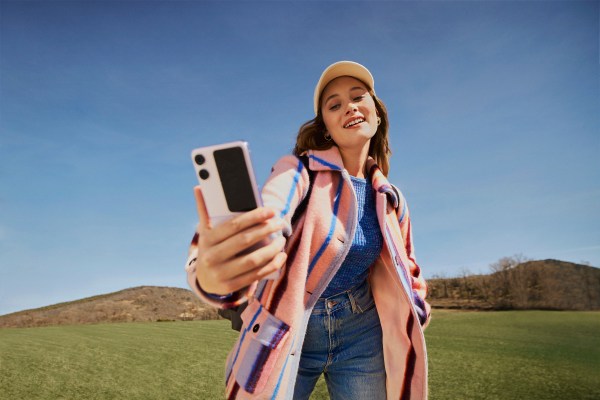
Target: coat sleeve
[
  {"x": 284, "y": 189},
  {"x": 419, "y": 286}
]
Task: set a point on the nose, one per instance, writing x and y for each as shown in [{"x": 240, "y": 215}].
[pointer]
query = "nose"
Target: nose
[{"x": 351, "y": 108}]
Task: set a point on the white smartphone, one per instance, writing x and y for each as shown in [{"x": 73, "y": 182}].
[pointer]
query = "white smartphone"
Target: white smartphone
[{"x": 228, "y": 183}]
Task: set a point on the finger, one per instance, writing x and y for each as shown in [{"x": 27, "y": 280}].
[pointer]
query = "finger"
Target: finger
[
  {"x": 201, "y": 208},
  {"x": 244, "y": 240},
  {"x": 240, "y": 223},
  {"x": 219, "y": 253},
  {"x": 257, "y": 274},
  {"x": 256, "y": 260}
]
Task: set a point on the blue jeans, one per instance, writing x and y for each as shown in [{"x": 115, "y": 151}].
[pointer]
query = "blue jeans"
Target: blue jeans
[{"x": 343, "y": 341}]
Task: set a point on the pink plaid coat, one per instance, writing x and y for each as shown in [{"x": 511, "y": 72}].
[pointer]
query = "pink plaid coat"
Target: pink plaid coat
[{"x": 263, "y": 364}]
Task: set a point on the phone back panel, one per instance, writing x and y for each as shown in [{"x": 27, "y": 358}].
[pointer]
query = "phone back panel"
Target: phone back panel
[{"x": 227, "y": 180}]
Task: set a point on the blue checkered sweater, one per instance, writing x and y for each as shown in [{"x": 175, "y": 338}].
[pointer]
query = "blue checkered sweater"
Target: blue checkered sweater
[{"x": 366, "y": 244}]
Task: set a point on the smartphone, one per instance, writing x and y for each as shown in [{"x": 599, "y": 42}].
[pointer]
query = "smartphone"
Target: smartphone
[{"x": 228, "y": 184}]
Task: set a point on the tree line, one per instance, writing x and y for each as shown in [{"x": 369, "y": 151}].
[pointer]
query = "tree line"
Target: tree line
[{"x": 517, "y": 282}]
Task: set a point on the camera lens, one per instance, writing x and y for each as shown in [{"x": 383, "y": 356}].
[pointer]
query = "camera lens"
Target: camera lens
[
  {"x": 199, "y": 159},
  {"x": 203, "y": 174}
]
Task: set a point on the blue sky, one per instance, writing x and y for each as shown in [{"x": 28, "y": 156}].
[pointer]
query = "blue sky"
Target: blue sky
[{"x": 494, "y": 113}]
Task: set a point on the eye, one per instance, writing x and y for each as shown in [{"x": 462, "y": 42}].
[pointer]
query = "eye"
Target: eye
[
  {"x": 359, "y": 98},
  {"x": 334, "y": 107}
]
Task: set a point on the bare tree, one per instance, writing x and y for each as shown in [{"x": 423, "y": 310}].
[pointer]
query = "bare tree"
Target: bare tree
[
  {"x": 505, "y": 278},
  {"x": 465, "y": 273},
  {"x": 507, "y": 263}
]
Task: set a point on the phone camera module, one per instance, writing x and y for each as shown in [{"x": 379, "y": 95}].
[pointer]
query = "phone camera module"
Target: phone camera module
[
  {"x": 203, "y": 174},
  {"x": 199, "y": 159}
]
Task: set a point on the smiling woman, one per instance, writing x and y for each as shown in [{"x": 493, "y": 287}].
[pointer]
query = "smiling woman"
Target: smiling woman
[{"x": 349, "y": 303}]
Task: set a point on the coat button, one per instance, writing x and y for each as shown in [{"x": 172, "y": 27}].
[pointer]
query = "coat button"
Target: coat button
[{"x": 255, "y": 328}]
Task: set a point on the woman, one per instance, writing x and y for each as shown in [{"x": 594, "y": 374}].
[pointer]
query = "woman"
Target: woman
[{"x": 349, "y": 300}]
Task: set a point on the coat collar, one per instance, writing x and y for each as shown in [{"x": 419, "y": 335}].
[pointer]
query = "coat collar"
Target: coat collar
[{"x": 331, "y": 160}]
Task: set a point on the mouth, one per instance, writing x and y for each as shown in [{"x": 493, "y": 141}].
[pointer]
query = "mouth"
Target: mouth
[{"x": 354, "y": 122}]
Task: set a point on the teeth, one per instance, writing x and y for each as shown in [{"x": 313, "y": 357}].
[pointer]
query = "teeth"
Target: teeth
[{"x": 356, "y": 121}]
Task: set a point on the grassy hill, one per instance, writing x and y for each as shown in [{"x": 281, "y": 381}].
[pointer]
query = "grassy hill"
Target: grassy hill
[
  {"x": 542, "y": 285},
  {"x": 139, "y": 304}
]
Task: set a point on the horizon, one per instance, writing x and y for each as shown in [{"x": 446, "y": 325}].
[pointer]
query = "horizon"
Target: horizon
[
  {"x": 493, "y": 108},
  {"x": 458, "y": 276}
]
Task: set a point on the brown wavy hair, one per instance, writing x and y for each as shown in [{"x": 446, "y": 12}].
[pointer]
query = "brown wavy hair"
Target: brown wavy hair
[{"x": 311, "y": 136}]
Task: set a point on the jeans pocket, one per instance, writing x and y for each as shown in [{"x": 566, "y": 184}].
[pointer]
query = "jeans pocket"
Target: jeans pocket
[
  {"x": 362, "y": 299},
  {"x": 364, "y": 307},
  {"x": 261, "y": 339}
]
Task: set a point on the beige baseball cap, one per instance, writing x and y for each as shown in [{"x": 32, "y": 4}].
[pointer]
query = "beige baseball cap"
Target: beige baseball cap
[{"x": 342, "y": 68}]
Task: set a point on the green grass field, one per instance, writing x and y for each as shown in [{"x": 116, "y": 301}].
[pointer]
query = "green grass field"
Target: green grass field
[{"x": 472, "y": 355}]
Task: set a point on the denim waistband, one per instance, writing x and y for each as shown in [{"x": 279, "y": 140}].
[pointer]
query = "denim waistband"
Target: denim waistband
[{"x": 358, "y": 298}]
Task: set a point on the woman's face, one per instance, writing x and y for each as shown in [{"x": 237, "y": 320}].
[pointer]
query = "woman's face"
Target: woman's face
[{"x": 349, "y": 112}]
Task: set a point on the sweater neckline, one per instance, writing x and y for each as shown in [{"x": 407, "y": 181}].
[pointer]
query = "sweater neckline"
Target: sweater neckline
[{"x": 358, "y": 180}]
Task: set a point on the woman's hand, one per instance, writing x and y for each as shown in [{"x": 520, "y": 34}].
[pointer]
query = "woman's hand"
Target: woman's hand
[{"x": 220, "y": 268}]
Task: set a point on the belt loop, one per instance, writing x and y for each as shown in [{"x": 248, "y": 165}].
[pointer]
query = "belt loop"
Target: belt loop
[{"x": 355, "y": 308}]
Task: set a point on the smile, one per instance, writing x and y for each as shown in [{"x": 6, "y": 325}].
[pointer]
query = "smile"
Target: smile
[{"x": 354, "y": 122}]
